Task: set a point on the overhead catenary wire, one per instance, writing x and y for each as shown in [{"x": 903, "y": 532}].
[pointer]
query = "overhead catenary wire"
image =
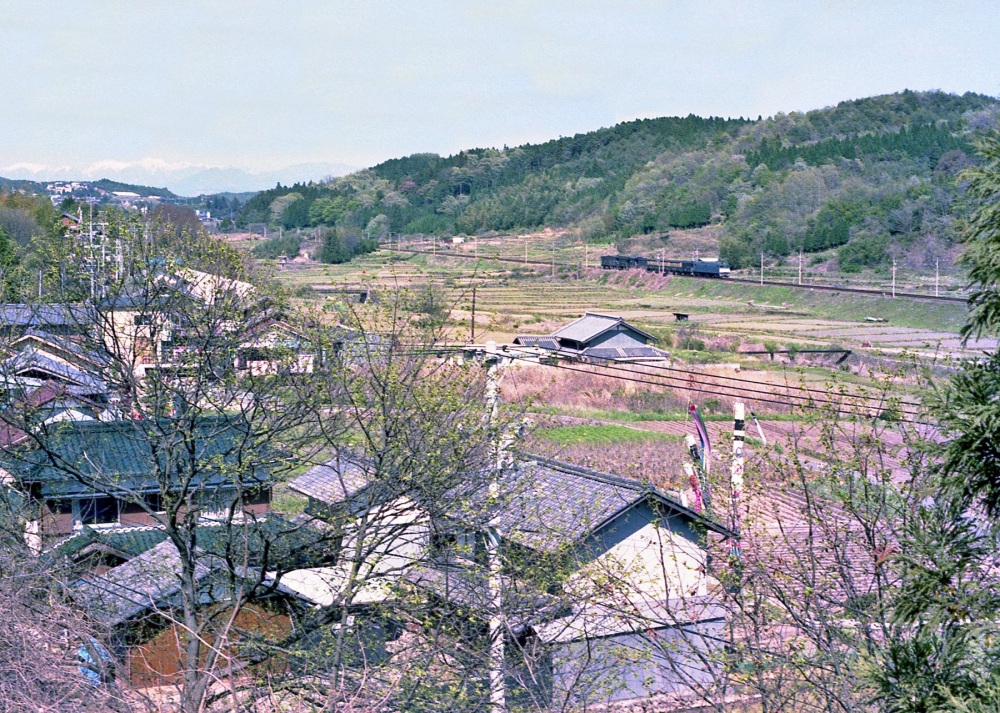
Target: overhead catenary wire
[
  {"x": 730, "y": 392},
  {"x": 739, "y": 392},
  {"x": 724, "y": 390},
  {"x": 822, "y": 392},
  {"x": 790, "y": 391}
]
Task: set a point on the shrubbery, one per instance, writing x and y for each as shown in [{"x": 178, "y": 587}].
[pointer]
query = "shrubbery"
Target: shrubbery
[
  {"x": 272, "y": 248},
  {"x": 341, "y": 246}
]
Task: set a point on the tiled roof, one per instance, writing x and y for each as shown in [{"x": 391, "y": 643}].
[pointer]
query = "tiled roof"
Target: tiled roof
[
  {"x": 591, "y": 325},
  {"x": 132, "y": 541},
  {"x": 37, "y": 359},
  {"x": 144, "y": 582},
  {"x": 545, "y": 504},
  {"x": 332, "y": 482},
  {"x": 59, "y": 342},
  {"x": 54, "y": 315},
  {"x": 288, "y": 544},
  {"x": 535, "y": 340},
  {"x": 121, "y": 453},
  {"x": 644, "y": 352}
]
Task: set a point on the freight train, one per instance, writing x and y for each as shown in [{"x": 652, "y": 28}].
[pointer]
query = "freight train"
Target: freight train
[{"x": 702, "y": 267}]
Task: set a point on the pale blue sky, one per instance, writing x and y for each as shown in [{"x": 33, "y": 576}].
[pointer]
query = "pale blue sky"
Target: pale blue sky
[{"x": 264, "y": 85}]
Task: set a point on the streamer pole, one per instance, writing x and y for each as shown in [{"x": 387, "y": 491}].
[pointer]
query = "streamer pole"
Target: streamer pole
[{"x": 736, "y": 479}]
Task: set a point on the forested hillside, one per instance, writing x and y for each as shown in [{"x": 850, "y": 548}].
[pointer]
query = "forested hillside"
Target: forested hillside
[{"x": 872, "y": 179}]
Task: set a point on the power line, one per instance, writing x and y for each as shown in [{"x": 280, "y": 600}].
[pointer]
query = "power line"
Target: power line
[
  {"x": 823, "y": 393},
  {"x": 732, "y": 392},
  {"x": 768, "y": 397},
  {"x": 768, "y": 393},
  {"x": 811, "y": 397}
]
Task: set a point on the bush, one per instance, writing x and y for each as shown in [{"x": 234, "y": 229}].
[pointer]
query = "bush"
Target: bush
[
  {"x": 271, "y": 248},
  {"x": 863, "y": 251},
  {"x": 689, "y": 215},
  {"x": 340, "y": 246}
]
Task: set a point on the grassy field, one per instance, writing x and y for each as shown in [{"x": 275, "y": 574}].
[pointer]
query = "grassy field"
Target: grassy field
[
  {"x": 513, "y": 299},
  {"x": 634, "y": 429},
  {"x": 604, "y": 435}
]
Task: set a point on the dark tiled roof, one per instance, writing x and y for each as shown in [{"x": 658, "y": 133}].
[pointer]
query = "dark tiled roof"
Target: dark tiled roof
[
  {"x": 332, "y": 482},
  {"x": 132, "y": 541},
  {"x": 120, "y": 453},
  {"x": 288, "y": 543},
  {"x": 543, "y": 504},
  {"x": 546, "y": 504},
  {"x": 54, "y": 315}
]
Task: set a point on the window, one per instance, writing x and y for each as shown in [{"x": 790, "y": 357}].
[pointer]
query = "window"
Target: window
[
  {"x": 260, "y": 496},
  {"x": 98, "y": 511},
  {"x": 153, "y": 501},
  {"x": 60, "y": 507}
]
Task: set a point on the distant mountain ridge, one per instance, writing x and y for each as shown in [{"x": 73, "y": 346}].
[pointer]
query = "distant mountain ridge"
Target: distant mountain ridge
[{"x": 182, "y": 180}]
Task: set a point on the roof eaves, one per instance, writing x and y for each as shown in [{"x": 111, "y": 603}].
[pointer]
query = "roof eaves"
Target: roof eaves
[{"x": 642, "y": 491}]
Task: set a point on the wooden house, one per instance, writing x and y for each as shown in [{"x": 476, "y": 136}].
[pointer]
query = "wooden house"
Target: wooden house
[
  {"x": 272, "y": 346},
  {"x": 94, "y": 473},
  {"x": 598, "y": 337},
  {"x": 134, "y": 600},
  {"x": 632, "y": 565}
]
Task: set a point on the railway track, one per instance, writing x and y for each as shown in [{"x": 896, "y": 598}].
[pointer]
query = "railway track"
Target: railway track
[
  {"x": 767, "y": 283},
  {"x": 852, "y": 290}
]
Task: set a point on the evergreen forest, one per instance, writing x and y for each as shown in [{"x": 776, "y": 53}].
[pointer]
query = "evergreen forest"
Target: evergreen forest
[{"x": 866, "y": 182}]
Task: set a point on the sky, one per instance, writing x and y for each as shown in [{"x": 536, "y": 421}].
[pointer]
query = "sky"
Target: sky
[{"x": 194, "y": 92}]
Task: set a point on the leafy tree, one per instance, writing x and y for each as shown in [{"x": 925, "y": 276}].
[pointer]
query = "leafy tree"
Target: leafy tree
[
  {"x": 271, "y": 248},
  {"x": 945, "y": 655},
  {"x": 982, "y": 240}
]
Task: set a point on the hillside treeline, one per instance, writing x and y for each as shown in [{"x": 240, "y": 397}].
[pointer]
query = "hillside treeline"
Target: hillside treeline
[
  {"x": 872, "y": 179},
  {"x": 46, "y": 256}
]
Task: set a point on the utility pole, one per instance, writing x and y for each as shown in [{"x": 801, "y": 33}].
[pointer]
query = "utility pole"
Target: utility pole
[
  {"x": 762, "y": 268},
  {"x": 894, "y": 278},
  {"x": 800, "y": 266},
  {"x": 473, "y": 338},
  {"x": 937, "y": 276}
]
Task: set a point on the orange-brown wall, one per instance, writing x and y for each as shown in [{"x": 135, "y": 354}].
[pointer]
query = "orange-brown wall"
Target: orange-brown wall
[{"x": 159, "y": 661}]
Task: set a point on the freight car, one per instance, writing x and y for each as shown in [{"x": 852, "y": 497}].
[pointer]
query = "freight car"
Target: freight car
[
  {"x": 624, "y": 262},
  {"x": 702, "y": 267}
]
